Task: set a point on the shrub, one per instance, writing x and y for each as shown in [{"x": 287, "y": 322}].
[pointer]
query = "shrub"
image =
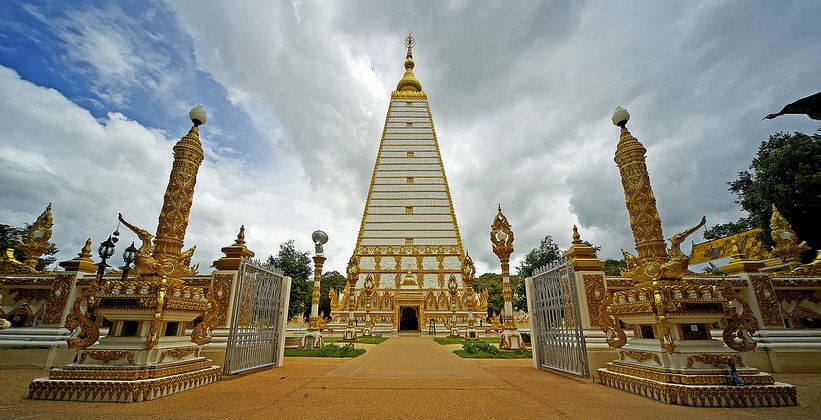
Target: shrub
[{"x": 476, "y": 347}]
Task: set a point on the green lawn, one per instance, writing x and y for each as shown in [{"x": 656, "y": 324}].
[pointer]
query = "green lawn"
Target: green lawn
[
  {"x": 458, "y": 340},
  {"x": 483, "y": 349},
  {"x": 328, "y": 350},
  {"x": 502, "y": 354},
  {"x": 363, "y": 340}
]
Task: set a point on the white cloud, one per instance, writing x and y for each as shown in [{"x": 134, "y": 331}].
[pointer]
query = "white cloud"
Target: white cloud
[{"x": 521, "y": 95}]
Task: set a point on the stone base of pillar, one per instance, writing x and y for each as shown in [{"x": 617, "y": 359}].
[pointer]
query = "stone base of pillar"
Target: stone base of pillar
[
  {"x": 312, "y": 340},
  {"x": 123, "y": 383},
  {"x": 511, "y": 340},
  {"x": 350, "y": 334},
  {"x": 366, "y": 332},
  {"x": 705, "y": 390},
  {"x": 454, "y": 332}
]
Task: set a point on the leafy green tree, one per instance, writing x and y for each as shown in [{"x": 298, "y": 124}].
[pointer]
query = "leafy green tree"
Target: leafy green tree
[
  {"x": 785, "y": 172},
  {"x": 727, "y": 229},
  {"x": 613, "y": 267},
  {"x": 9, "y": 237},
  {"x": 491, "y": 282},
  {"x": 295, "y": 264},
  {"x": 332, "y": 280},
  {"x": 547, "y": 252}
]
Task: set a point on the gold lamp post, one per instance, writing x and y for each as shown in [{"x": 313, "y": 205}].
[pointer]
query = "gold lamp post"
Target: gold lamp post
[
  {"x": 313, "y": 336},
  {"x": 453, "y": 288},
  {"x": 353, "y": 275},
  {"x": 502, "y": 238}
]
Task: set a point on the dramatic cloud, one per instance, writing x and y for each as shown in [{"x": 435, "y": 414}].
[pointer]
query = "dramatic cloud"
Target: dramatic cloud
[{"x": 521, "y": 95}]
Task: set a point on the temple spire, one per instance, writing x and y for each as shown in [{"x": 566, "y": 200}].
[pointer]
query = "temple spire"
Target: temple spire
[{"x": 409, "y": 81}]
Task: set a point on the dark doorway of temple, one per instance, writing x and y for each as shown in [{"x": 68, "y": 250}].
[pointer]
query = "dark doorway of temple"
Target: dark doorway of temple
[{"x": 409, "y": 320}]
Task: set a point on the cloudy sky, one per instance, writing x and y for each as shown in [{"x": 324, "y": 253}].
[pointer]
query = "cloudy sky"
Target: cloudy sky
[{"x": 95, "y": 94}]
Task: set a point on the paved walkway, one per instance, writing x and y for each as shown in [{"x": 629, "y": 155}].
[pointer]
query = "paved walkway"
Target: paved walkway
[{"x": 402, "y": 378}]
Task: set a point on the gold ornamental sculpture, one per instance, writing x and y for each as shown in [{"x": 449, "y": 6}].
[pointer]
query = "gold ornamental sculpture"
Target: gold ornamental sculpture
[
  {"x": 501, "y": 236},
  {"x": 146, "y": 353},
  {"x": 672, "y": 356}
]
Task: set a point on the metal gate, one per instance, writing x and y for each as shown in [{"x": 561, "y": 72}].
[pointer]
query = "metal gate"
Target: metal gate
[
  {"x": 257, "y": 332},
  {"x": 555, "y": 321}
]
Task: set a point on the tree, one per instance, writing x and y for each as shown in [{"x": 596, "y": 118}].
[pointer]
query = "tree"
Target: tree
[
  {"x": 9, "y": 238},
  {"x": 785, "y": 172},
  {"x": 332, "y": 280},
  {"x": 613, "y": 267},
  {"x": 727, "y": 229},
  {"x": 491, "y": 282},
  {"x": 297, "y": 266},
  {"x": 547, "y": 252}
]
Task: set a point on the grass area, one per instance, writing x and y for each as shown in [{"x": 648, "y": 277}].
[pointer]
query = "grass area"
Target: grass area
[
  {"x": 484, "y": 350},
  {"x": 328, "y": 350},
  {"x": 459, "y": 340},
  {"x": 502, "y": 354},
  {"x": 363, "y": 340}
]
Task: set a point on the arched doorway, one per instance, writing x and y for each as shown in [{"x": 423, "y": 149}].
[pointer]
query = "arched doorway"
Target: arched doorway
[{"x": 409, "y": 321}]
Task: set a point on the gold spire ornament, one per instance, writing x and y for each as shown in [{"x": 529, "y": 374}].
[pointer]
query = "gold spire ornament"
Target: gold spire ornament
[{"x": 409, "y": 81}]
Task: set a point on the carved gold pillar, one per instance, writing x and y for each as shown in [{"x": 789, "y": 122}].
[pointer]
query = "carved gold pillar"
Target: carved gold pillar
[
  {"x": 641, "y": 203},
  {"x": 315, "y": 295},
  {"x": 502, "y": 238},
  {"x": 179, "y": 194}
]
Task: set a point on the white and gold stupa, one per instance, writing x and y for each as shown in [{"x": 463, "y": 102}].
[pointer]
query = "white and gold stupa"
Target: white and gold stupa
[{"x": 409, "y": 248}]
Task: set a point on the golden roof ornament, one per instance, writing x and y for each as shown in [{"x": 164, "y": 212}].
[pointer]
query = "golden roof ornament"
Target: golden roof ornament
[
  {"x": 787, "y": 246},
  {"x": 409, "y": 81}
]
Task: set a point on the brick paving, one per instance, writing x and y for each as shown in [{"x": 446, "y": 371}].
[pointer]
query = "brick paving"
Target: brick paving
[{"x": 402, "y": 378}]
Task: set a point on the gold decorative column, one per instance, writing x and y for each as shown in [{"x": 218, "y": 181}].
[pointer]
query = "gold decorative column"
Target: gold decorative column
[
  {"x": 641, "y": 203},
  {"x": 672, "y": 356},
  {"x": 350, "y": 298},
  {"x": 313, "y": 336},
  {"x": 179, "y": 195},
  {"x": 368, "y": 287},
  {"x": 468, "y": 277},
  {"x": 502, "y": 238},
  {"x": 146, "y": 353}
]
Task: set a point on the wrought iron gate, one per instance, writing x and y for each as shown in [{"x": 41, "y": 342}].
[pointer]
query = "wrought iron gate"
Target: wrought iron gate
[
  {"x": 558, "y": 341},
  {"x": 260, "y": 308}
]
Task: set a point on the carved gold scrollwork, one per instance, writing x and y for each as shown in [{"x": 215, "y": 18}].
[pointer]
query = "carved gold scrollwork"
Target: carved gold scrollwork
[
  {"x": 767, "y": 302},
  {"x": 89, "y": 331},
  {"x": 738, "y": 333},
  {"x": 155, "y": 329},
  {"x": 179, "y": 352},
  {"x": 106, "y": 356},
  {"x": 639, "y": 355},
  {"x": 715, "y": 359},
  {"x": 616, "y": 337},
  {"x": 202, "y": 332}
]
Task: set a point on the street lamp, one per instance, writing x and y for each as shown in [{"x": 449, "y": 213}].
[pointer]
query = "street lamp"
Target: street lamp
[
  {"x": 501, "y": 235},
  {"x": 129, "y": 255},
  {"x": 105, "y": 251},
  {"x": 313, "y": 336}
]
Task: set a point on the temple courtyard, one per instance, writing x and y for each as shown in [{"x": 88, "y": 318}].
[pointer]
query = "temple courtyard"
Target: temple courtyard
[{"x": 407, "y": 376}]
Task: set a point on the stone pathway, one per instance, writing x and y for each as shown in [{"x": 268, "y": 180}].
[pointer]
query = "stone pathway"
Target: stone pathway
[{"x": 402, "y": 378}]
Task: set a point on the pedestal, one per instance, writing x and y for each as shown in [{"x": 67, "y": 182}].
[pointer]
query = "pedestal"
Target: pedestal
[
  {"x": 511, "y": 340},
  {"x": 350, "y": 334},
  {"x": 312, "y": 339}
]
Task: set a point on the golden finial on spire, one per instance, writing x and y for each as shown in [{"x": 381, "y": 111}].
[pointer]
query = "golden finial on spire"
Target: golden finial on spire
[
  {"x": 241, "y": 236},
  {"x": 409, "y": 81}
]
